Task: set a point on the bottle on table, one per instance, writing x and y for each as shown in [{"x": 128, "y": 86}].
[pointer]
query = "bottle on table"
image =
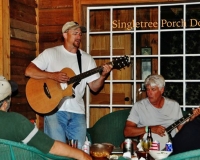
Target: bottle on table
[
  {"x": 149, "y": 137},
  {"x": 148, "y": 142}
]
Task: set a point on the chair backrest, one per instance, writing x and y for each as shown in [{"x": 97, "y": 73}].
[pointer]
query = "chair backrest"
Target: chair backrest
[
  {"x": 10, "y": 150},
  {"x": 109, "y": 128},
  {"x": 189, "y": 155}
]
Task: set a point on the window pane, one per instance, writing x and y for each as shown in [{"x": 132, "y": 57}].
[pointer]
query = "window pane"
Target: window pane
[
  {"x": 172, "y": 17},
  {"x": 122, "y": 70},
  {"x": 147, "y": 40},
  {"x": 122, "y": 93},
  {"x": 146, "y": 18},
  {"x": 192, "y": 93},
  {"x": 193, "y": 16},
  {"x": 103, "y": 97},
  {"x": 172, "y": 67},
  {"x": 122, "y": 44},
  {"x": 174, "y": 91},
  {"x": 96, "y": 19},
  {"x": 100, "y": 45},
  {"x": 192, "y": 42},
  {"x": 171, "y": 43},
  {"x": 123, "y": 19},
  {"x": 192, "y": 68},
  {"x": 146, "y": 66}
]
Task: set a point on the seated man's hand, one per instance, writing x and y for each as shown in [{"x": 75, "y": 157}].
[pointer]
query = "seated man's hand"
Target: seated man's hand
[
  {"x": 196, "y": 112},
  {"x": 160, "y": 130}
]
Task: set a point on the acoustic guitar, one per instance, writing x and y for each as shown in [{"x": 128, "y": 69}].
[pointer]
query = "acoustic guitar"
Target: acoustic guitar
[
  {"x": 167, "y": 138},
  {"x": 44, "y": 95}
]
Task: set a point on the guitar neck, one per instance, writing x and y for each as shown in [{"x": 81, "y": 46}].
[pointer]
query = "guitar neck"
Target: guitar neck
[
  {"x": 84, "y": 75},
  {"x": 177, "y": 123},
  {"x": 116, "y": 64}
]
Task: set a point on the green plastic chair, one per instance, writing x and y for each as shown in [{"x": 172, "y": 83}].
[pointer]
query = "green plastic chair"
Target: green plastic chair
[
  {"x": 189, "y": 155},
  {"x": 10, "y": 150},
  {"x": 109, "y": 128}
]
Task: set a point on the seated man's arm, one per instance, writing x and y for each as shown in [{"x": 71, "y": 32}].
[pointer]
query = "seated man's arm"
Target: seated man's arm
[
  {"x": 196, "y": 113},
  {"x": 40, "y": 140},
  {"x": 131, "y": 130},
  {"x": 62, "y": 149}
]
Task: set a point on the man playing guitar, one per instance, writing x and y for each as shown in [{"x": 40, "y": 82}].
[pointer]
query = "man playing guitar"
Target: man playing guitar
[
  {"x": 67, "y": 121},
  {"x": 155, "y": 111}
]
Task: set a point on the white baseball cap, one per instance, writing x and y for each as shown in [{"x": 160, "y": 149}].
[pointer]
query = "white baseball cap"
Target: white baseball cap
[
  {"x": 6, "y": 87},
  {"x": 72, "y": 25}
]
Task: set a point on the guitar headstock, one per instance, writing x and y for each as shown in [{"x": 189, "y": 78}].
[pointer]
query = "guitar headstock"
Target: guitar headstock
[{"x": 121, "y": 62}]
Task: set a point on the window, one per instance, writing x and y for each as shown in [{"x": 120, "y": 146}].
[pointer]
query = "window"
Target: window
[{"x": 169, "y": 33}]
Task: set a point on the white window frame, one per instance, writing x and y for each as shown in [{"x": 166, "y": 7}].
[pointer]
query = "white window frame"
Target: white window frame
[{"x": 134, "y": 56}]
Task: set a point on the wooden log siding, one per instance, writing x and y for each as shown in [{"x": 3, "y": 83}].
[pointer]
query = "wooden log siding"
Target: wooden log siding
[
  {"x": 46, "y": 4},
  {"x": 30, "y": 3},
  {"x": 52, "y": 16},
  {"x": 22, "y": 26},
  {"x": 22, "y": 12},
  {"x": 19, "y": 34},
  {"x": 23, "y": 44},
  {"x": 22, "y": 50}
]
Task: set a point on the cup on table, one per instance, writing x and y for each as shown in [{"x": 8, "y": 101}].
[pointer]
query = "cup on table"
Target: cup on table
[
  {"x": 145, "y": 145},
  {"x": 73, "y": 143}
]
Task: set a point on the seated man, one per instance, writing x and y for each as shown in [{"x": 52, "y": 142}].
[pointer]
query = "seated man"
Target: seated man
[
  {"x": 22, "y": 130},
  {"x": 155, "y": 111}
]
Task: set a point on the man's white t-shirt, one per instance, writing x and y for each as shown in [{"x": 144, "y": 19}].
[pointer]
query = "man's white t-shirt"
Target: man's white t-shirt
[
  {"x": 143, "y": 113},
  {"x": 55, "y": 59}
]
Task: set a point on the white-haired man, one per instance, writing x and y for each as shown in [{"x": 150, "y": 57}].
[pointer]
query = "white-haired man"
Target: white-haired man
[
  {"x": 154, "y": 111},
  {"x": 22, "y": 130}
]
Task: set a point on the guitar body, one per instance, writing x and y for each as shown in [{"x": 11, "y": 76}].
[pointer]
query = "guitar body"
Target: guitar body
[{"x": 38, "y": 98}]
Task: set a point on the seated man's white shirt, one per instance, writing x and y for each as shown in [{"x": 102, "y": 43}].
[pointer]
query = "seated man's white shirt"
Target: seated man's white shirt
[{"x": 143, "y": 113}]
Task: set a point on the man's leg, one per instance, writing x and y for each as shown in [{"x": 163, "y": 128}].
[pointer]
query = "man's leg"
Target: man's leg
[
  {"x": 76, "y": 128},
  {"x": 53, "y": 128},
  {"x": 188, "y": 138}
]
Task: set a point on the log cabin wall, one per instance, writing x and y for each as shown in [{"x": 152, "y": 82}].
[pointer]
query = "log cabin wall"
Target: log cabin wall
[
  {"x": 52, "y": 16},
  {"x": 22, "y": 50}
]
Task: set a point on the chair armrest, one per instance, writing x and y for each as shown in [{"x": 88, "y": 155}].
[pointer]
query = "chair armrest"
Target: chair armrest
[
  {"x": 88, "y": 135},
  {"x": 12, "y": 150}
]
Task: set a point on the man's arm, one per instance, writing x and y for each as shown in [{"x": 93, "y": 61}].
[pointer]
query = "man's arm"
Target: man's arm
[
  {"x": 196, "y": 112},
  {"x": 98, "y": 83},
  {"x": 131, "y": 130},
  {"x": 62, "y": 149},
  {"x": 34, "y": 72}
]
